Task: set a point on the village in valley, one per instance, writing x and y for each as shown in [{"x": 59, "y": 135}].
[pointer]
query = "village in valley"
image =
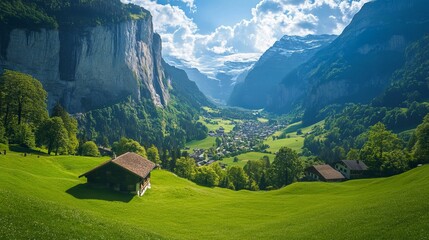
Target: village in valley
[{"x": 245, "y": 136}]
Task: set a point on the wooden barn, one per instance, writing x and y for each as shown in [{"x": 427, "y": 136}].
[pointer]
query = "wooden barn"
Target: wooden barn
[
  {"x": 351, "y": 169},
  {"x": 323, "y": 173},
  {"x": 129, "y": 172}
]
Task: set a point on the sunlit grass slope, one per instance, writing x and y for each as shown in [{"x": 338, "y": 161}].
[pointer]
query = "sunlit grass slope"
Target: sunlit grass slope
[
  {"x": 245, "y": 157},
  {"x": 206, "y": 143},
  {"x": 42, "y": 198},
  {"x": 294, "y": 141}
]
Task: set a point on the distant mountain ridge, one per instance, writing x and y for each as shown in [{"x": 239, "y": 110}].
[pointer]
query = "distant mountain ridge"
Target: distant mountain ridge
[
  {"x": 207, "y": 85},
  {"x": 218, "y": 85},
  {"x": 358, "y": 65},
  {"x": 285, "y": 55}
]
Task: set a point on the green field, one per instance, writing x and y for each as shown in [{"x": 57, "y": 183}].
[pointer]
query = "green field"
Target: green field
[
  {"x": 243, "y": 158},
  {"x": 210, "y": 141},
  {"x": 263, "y": 120},
  {"x": 42, "y": 198},
  {"x": 206, "y": 143},
  {"x": 228, "y": 125},
  {"x": 210, "y": 110},
  {"x": 295, "y": 142}
]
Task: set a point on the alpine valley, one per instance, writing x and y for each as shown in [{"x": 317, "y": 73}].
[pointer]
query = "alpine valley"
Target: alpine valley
[{"x": 152, "y": 119}]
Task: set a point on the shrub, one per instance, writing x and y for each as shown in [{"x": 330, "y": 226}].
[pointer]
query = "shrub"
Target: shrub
[{"x": 90, "y": 149}]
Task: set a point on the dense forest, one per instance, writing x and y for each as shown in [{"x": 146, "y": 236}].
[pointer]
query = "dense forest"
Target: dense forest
[
  {"x": 167, "y": 128},
  {"x": 36, "y": 14}
]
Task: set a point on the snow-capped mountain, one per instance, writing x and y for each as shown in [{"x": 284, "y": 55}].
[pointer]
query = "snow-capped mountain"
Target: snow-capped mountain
[{"x": 285, "y": 55}]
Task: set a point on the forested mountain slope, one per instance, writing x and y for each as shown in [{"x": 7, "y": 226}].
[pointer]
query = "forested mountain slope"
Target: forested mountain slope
[{"x": 359, "y": 64}]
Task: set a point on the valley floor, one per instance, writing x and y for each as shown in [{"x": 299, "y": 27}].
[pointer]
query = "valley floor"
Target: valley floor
[{"x": 42, "y": 198}]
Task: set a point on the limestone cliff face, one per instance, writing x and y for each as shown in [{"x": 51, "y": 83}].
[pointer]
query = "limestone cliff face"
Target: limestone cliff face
[{"x": 91, "y": 67}]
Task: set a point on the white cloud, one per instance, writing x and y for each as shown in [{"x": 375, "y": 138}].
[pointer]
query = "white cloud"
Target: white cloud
[
  {"x": 271, "y": 19},
  {"x": 191, "y": 5}
]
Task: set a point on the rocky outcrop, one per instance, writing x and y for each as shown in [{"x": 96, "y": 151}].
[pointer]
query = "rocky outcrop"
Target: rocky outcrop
[
  {"x": 358, "y": 65},
  {"x": 88, "y": 68}
]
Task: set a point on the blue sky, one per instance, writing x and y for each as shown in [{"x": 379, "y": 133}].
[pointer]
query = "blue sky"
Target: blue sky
[
  {"x": 207, "y": 33},
  {"x": 211, "y": 14}
]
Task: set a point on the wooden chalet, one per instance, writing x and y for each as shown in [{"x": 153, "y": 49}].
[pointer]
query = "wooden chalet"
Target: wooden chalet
[
  {"x": 351, "y": 169},
  {"x": 129, "y": 172},
  {"x": 323, "y": 173}
]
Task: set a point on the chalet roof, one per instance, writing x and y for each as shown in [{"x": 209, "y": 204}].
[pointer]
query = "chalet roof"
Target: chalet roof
[
  {"x": 131, "y": 162},
  {"x": 355, "y": 165},
  {"x": 327, "y": 172}
]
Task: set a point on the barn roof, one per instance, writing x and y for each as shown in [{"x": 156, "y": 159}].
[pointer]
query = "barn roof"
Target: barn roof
[
  {"x": 327, "y": 172},
  {"x": 131, "y": 162},
  {"x": 355, "y": 165}
]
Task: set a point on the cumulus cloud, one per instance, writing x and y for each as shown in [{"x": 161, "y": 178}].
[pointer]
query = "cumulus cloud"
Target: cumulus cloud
[
  {"x": 271, "y": 19},
  {"x": 191, "y": 5}
]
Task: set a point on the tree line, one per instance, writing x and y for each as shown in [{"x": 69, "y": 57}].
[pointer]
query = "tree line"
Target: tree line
[
  {"x": 285, "y": 169},
  {"x": 385, "y": 152},
  {"x": 52, "y": 14}
]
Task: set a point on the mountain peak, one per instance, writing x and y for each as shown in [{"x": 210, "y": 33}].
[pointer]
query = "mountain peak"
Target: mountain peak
[
  {"x": 285, "y": 55},
  {"x": 358, "y": 65}
]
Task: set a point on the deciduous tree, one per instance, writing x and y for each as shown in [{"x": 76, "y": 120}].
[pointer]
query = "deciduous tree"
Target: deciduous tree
[
  {"x": 237, "y": 178},
  {"x": 185, "y": 167},
  {"x": 206, "y": 176},
  {"x": 421, "y": 147},
  {"x": 22, "y": 101},
  {"x": 53, "y": 134},
  {"x": 70, "y": 124},
  {"x": 90, "y": 149},
  {"x": 286, "y": 167},
  {"x": 380, "y": 141},
  {"x": 23, "y": 96},
  {"x": 153, "y": 155},
  {"x": 254, "y": 169},
  {"x": 128, "y": 145}
]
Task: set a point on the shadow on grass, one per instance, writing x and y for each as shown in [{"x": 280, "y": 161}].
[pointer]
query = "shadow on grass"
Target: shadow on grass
[
  {"x": 19, "y": 149},
  {"x": 86, "y": 191}
]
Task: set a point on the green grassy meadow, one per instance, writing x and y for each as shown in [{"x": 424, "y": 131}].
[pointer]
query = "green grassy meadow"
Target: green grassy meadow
[
  {"x": 228, "y": 125},
  {"x": 295, "y": 142},
  {"x": 206, "y": 143},
  {"x": 42, "y": 198},
  {"x": 245, "y": 157}
]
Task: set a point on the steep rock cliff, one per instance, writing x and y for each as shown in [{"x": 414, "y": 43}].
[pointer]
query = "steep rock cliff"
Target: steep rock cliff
[{"x": 91, "y": 67}]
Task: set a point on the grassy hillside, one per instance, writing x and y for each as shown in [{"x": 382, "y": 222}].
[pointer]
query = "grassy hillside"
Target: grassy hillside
[
  {"x": 206, "y": 143},
  {"x": 42, "y": 198},
  {"x": 216, "y": 123},
  {"x": 294, "y": 141},
  {"x": 245, "y": 157}
]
